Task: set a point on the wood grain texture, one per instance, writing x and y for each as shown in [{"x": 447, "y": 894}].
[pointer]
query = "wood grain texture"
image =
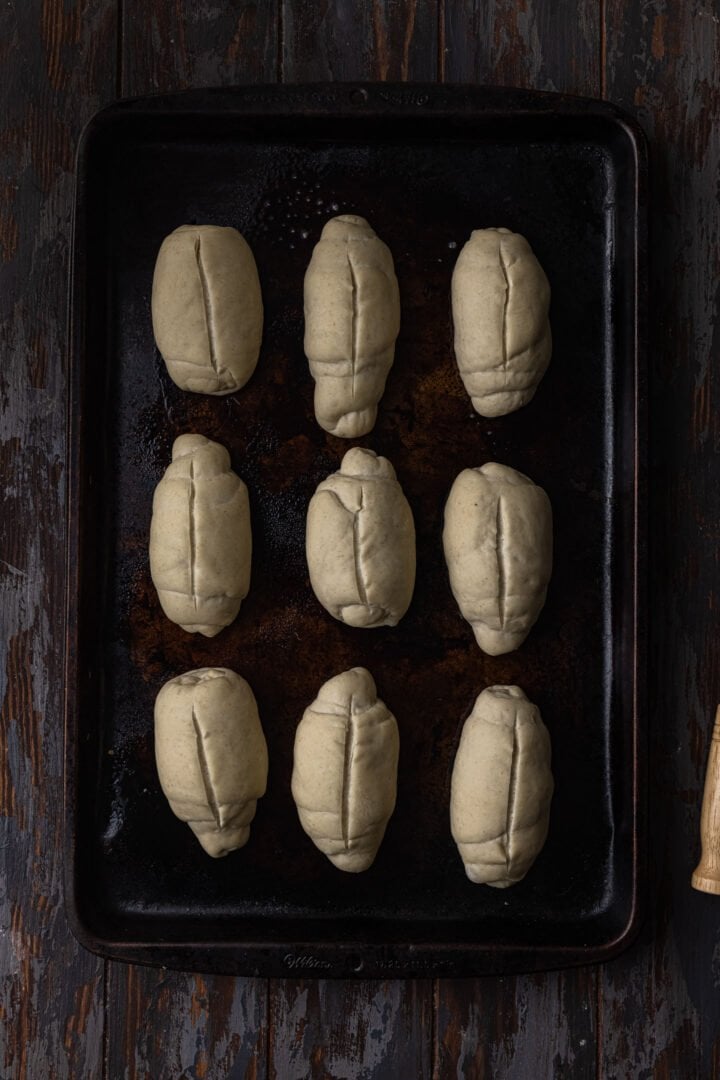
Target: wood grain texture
[
  {"x": 167, "y": 1025},
  {"x": 174, "y": 44},
  {"x": 339, "y": 40},
  {"x": 660, "y": 1009},
  {"x": 334, "y": 1028},
  {"x": 58, "y": 68},
  {"x": 540, "y": 44},
  {"x": 531, "y": 1025}
]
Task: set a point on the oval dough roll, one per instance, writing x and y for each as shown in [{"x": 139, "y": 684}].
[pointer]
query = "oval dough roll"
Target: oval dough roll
[
  {"x": 501, "y": 787},
  {"x": 200, "y": 539},
  {"x": 498, "y": 549},
  {"x": 345, "y": 770},
  {"x": 500, "y": 301},
  {"x": 352, "y": 318},
  {"x": 207, "y": 310},
  {"x": 360, "y": 542},
  {"x": 211, "y": 755}
]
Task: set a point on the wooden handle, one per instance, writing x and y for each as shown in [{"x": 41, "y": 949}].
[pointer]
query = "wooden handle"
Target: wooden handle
[{"x": 707, "y": 874}]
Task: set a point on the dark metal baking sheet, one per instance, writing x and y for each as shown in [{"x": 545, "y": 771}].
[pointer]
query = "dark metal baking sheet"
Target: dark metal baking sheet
[{"x": 425, "y": 165}]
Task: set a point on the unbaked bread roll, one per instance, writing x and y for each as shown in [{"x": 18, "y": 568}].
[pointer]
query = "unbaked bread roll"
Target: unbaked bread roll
[
  {"x": 360, "y": 542},
  {"x": 501, "y": 787},
  {"x": 200, "y": 539},
  {"x": 498, "y": 548},
  {"x": 207, "y": 310},
  {"x": 500, "y": 301},
  {"x": 352, "y": 318},
  {"x": 211, "y": 755},
  {"x": 345, "y": 770}
]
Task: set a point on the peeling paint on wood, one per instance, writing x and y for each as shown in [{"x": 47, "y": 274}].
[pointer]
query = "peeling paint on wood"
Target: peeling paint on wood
[
  {"x": 342, "y": 41},
  {"x": 179, "y": 1026},
  {"x": 171, "y": 46},
  {"x": 545, "y": 44},
  {"x": 660, "y": 1006},
  {"x": 335, "y": 1028},
  {"x": 56, "y": 73},
  {"x": 533, "y": 1025}
]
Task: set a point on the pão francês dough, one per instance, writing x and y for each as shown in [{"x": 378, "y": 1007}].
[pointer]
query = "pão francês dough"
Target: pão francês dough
[
  {"x": 207, "y": 309},
  {"x": 211, "y": 755},
  {"x": 200, "y": 538},
  {"x": 352, "y": 318},
  {"x": 498, "y": 549},
  {"x": 345, "y": 770},
  {"x": 501, "y": 787},
  {"x": 500, "y": 301},
  {"x": 360, "y": 542}
]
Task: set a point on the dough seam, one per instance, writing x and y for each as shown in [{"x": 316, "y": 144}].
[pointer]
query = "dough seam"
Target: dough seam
[
  {"x": 509, "y": 820},
  {"x": 348, "y": 751},
  {"x": 361, "y": 586},
  {"x": 192, "y": 540},
  {"x": 378, "y": 613},
  {"x": 503, "y": 267},
  {"x": 319, "y": 838},
  {"x": 207, "y": 304},
  {"x": 357, "y": 476},
  {"x": 354, "y": 335},
  {"x": 368, "y": 364},
  {"x": 205, "y": 771},
  {"x": 359, "y": 581},
  {"x": 342, "y": 713},
  {"x": 502, "y": 584}
]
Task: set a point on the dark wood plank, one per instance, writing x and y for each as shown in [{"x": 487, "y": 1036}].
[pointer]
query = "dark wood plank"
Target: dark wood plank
[
  {"x": 334, "y": 1028},
  {"x": 168, "y": 1025},
  {"x": 175, "y": 44},
  {"x": 534, "y": 1025},
  {"x": 660, "y": 1009},
  {"x": 540, "y": 1025},
  {"x": 382, "y": 40},
  {"x": 58, "y": 68},
  {"x": 543, "y": 44}
]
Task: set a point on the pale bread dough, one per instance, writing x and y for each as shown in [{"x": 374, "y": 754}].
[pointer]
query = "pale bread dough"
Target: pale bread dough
[
  {"x": 352, "y": 318},
  {"x": 360, "y": 542},
  {"x": 498, "y": 548},
  {"x": 207, "y": 309},
  {"x": 501, "y": 787},
  {"x": 345, "y": 770},
  {"x": 211, "y": 755},
  {"x": 500, "y": 301},
  {"x": 200, "y": 538}
]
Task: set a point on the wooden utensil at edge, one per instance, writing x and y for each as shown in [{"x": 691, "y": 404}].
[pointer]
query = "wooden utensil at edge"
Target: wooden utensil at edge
[{"x": 706, "y": 877}]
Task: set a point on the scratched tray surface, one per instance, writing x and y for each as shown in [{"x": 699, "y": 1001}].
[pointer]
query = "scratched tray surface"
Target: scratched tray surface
[{"x": 425, "y": 173}]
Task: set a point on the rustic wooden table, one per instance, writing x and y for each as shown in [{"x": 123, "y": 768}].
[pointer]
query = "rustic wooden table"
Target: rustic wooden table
[{"x": 655, "y": 1011}]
